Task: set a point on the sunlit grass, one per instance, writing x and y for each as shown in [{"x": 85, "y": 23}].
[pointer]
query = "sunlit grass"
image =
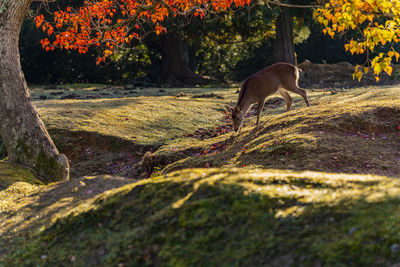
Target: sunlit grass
[
  {"x": 210, "y": 217},
  {"x": 143, "y": 120}
]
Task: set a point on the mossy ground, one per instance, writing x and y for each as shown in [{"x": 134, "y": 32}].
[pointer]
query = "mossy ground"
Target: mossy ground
[
  {"x": 212, "y": 217},
  {"x": 319, "y": 187}
]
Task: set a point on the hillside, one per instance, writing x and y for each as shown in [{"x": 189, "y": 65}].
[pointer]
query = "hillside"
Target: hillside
[{"x": 312, "y": 186}]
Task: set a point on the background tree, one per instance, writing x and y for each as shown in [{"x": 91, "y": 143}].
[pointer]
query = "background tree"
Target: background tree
[
  {"x": 284, "y": 46},
  {"x": 175, "y": 65}
]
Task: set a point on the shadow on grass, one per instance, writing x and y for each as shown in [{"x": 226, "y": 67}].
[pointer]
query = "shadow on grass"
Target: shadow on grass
[
  {"x": 91, "y": 153},
  {"x": 39, "y": 208},
  {"x": 216, "y": 218}
]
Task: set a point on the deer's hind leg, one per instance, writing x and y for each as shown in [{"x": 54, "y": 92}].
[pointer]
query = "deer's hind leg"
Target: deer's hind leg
[{"x": 287, "y": 98}]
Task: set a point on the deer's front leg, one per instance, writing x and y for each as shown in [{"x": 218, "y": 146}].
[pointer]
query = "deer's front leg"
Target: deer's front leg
[{"x": 259, "y": 111}]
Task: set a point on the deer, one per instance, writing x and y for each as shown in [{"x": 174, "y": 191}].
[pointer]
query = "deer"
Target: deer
[{"x": 279, "y": 77}]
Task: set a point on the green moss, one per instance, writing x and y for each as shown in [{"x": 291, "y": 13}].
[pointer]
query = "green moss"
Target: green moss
[
  {"x": 219, "y": 217},
  {"x": 11, "y": 173},
  {"x": 49, "y": 168}
]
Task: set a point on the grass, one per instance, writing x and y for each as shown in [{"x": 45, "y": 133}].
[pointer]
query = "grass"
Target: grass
[
  {"x": 312, "y": 186},
  {"x": 213, "y": 217},
  {"x": 352, "y": 132},
  {"x": 145, "y": 120}
]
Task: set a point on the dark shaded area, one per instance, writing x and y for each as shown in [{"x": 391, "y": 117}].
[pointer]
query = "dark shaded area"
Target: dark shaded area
[
  {"x": 138, "y": 66},
  {"x": 3, "y": 151},
  {"x": 91, "y": 153}
]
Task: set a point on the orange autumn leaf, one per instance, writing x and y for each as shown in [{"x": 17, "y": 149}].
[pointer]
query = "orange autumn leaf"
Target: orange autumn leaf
[{"x": 111, "y": 24}]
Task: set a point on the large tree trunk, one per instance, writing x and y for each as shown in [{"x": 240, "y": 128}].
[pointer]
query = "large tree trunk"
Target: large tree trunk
[
  {"x": 284, "y": 48},
  {"x": 175, "y": 69},
  {"x": 22, "y": 131}
]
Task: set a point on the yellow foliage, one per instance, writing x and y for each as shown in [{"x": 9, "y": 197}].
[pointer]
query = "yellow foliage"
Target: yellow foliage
[{"x": 378, "y": 21}]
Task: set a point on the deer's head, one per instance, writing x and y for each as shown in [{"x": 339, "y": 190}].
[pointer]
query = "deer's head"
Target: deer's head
[{"x": 237, "y": 117}]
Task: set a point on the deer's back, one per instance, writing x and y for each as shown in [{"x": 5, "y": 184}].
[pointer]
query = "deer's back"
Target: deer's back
[{"x": 268, "y": 80}]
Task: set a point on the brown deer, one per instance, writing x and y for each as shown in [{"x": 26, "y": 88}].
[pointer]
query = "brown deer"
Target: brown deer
[{"x": 279, "y": 77}]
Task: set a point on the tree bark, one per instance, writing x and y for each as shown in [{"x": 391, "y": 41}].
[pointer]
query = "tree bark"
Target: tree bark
[
  {"x": 22, "y": 131},
  {"x": 284, "y": 47},
  {"x": 175, "y": 69}
]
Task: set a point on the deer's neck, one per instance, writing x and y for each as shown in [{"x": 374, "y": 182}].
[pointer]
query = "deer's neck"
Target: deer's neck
[{"x": 244, "y": 106}]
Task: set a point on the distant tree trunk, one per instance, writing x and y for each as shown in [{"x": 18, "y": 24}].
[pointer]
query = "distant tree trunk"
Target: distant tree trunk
[
  {"x": 175, "y": 69},
  {"x": 192, "y": 62},
  {"x": 284, "y": 47},
  {"x": 22, "y": 131}
]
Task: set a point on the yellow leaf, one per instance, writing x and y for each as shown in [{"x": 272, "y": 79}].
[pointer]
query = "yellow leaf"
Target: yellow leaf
[
  {"x": 366, "y": 70},
  {"x": 377, "y": 79},
  {"x": 359, "y": 75},
  {"x": 388, "y": 70},
  {"x": 397, "y": 55}
]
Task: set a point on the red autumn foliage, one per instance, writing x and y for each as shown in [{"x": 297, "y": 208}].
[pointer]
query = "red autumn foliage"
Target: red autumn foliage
[{"x": 111, "y": 24}]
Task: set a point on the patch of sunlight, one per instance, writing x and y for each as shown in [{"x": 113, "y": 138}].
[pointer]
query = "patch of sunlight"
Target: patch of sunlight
[
  {"x": 307, "y": 187},
  {"x": 182, "y": 201},
  {"x": 294, "y": 211}
]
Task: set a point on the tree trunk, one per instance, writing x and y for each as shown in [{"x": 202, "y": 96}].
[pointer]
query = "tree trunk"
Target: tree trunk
[
  {"x": 22, "y": 131},
  {"x": 175, "y": 69},
  {"x": 284, "y": 48}
]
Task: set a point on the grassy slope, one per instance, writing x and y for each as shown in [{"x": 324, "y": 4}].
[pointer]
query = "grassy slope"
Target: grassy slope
[
  {"x": 352, "y": 132},
  {"x": 219, "y": 217},
  {"x": 313, "y": 214},
  {"x": 91, "y": 131}
]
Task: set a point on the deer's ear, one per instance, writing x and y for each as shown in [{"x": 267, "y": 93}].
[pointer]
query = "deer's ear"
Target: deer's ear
[{"x": 229, "y": 108}]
